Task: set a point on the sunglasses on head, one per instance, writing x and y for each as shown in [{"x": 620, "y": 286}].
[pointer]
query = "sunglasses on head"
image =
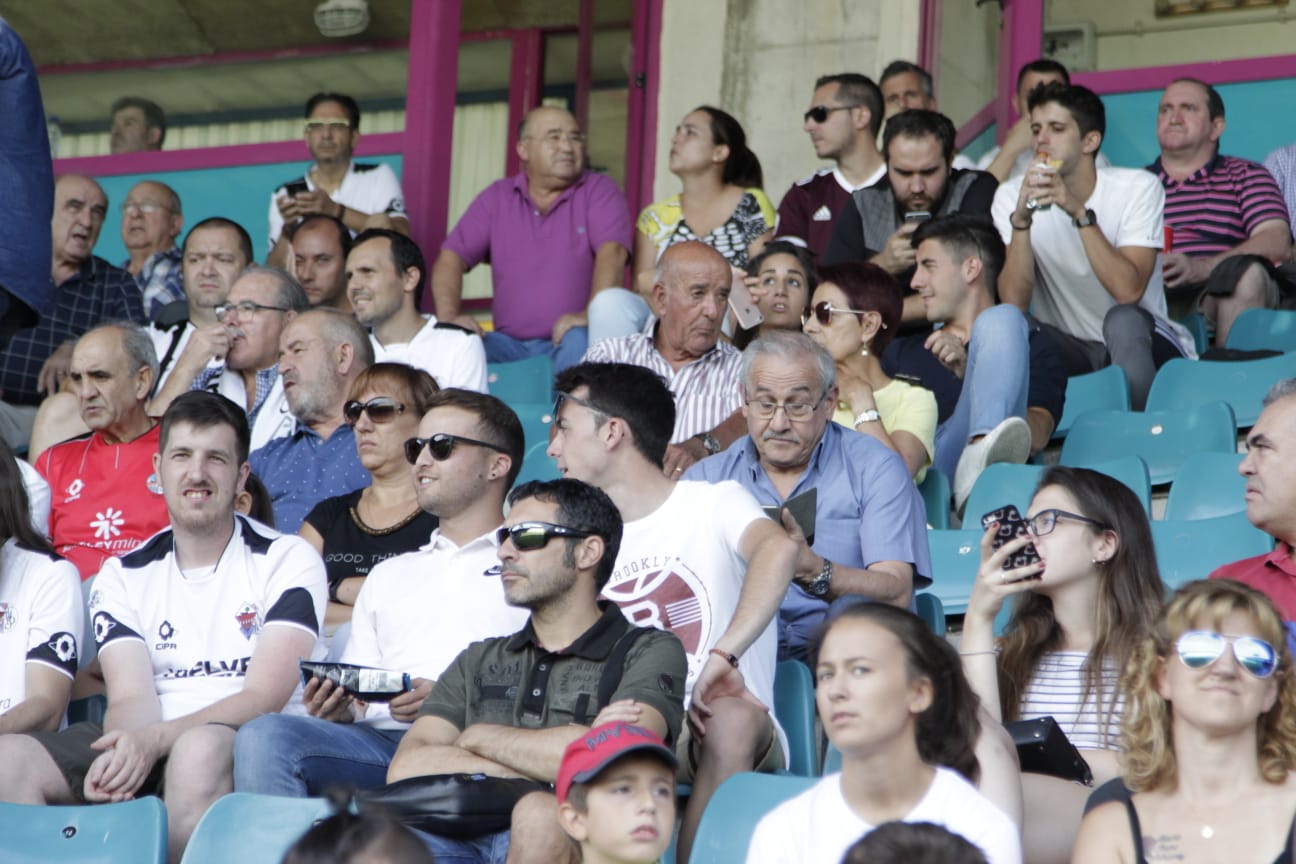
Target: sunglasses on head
[
  {"x": 441, "y": 445},
  {"x": 1198, "y": 649},
  {"x": 823, "y": 312},
  {"x": 535, "y": 535},
  {"x": 381, "y": 409},
  {"x": 819, "y": 113}
]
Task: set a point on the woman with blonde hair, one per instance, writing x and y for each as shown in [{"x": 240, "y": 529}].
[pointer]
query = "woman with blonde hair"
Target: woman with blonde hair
[{"x": 1210, "y": 738}]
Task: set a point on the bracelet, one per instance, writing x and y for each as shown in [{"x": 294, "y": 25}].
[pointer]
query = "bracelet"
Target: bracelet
[
  {"x": 1017, "y": 227},
  {"x": 728, "y": 658},
  {"x": 977, "y": 653}
]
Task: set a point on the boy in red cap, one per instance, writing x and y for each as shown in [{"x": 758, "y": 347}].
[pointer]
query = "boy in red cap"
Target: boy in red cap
[{"x": 616, "y": 794}]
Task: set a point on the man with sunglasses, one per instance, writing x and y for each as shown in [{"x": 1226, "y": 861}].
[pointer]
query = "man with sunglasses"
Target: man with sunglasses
[
  {"x": 414, "y": 614},
  {"x": 508, "y": 706},
  {"x": 843, "y": 122},
  {"x": 698, "y": 559},
  {"x": 361, "y": 195},
  {"x": 321, "y": 352}
]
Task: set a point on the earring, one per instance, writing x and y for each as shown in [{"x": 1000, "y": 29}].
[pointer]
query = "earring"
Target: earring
[{"x": 863, "y": 352}]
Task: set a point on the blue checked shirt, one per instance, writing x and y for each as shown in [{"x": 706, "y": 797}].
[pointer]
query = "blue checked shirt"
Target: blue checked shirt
[
  {"x": 161, "y": 280},
  {"x": 210, "y": 379}
]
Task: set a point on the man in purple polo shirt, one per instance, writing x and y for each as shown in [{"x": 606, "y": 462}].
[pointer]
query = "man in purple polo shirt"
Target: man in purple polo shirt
[
  {"x": 1218, "y": 207},
  {"x": 555, "y": 235}
]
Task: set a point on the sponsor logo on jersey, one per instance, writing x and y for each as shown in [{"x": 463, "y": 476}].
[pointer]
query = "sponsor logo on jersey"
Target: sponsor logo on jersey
[
  {"x": 235, "y": 668},
  {"x": 103, "y": 625},
  {"x": 7, "y": 617},
  {"x": 74, "y": 491},
  {"x": 165, "y": 633},
  {"x": 249, "y": 620},
  {"x": 107, "y": 524},
  {"x": 823, "y": 214},
  {"x": 64, "y": 647}
]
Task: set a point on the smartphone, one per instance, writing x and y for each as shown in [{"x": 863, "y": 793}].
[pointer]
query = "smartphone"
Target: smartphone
[
  {"x": 745, "y": 311},
  {"x": 1011, "y": 526},
  {"x": 917, "y": 216}
]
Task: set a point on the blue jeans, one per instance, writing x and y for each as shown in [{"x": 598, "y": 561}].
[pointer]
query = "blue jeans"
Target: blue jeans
[
  {"x": 300, "y": 757},
  {"x": 502, "y": 348},
  {"x": 487, "y": 849},
  {"x": 616, "y": 312},
  {"x": 995, "y": 384}
]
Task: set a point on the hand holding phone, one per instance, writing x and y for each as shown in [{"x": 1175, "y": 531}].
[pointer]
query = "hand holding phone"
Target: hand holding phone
[
  {"x": 745, "y": 310},
  {"x": 1011, "y": 526}
]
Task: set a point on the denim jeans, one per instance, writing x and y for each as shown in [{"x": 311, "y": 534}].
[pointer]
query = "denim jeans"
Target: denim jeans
[
  {"x": 299, "y": 757},
  {"x": 616, "y": 312},
  {"x": 487, "y": 849},
  {"x": 502, "y": 348},
  {"x": 995, "y": 384}
]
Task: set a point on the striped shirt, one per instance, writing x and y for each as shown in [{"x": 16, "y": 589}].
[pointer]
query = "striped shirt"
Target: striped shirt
[
  {"x": 1218, "y": 206},
  {"x": 707, "y": 391},
  {"x": 1056, "y": 689},
  {"x": 1281, "y": 163}
]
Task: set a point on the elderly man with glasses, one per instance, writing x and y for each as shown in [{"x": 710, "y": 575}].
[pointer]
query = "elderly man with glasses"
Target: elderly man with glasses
[{"x": 151, "y": 221}]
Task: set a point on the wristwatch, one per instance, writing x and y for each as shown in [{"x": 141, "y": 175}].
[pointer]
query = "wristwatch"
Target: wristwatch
[
  {"x": 872, "y": 415},
  {"x": 818, "y": 586},
  {"x": 1084, "y": 221},
  {"x": 709, "y": 442}
]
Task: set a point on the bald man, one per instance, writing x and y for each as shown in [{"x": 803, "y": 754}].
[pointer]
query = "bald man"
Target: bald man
[
  {"x": 555, "y": 235},
  {"x": 151, "y": 222}
]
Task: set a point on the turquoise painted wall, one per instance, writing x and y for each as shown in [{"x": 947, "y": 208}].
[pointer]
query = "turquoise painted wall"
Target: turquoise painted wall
[
  {"x": 980, "y": 145},
  {"x": 241, "y": 194}
]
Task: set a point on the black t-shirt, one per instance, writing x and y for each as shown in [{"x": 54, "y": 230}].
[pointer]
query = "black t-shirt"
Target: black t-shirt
[{"x": 351, "y": 549}]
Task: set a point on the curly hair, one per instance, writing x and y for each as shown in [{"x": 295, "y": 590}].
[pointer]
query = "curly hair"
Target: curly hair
[{"x": 1147, "y": 735}]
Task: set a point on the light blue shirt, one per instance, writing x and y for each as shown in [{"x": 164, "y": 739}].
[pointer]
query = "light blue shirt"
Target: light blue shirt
[{"x": 302, "y": 469}]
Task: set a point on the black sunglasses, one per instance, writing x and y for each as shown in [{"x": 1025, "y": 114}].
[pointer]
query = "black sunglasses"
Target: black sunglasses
[
  {"x": 441, "y": 445},
  {"x": 823, "y": 312},
  {"x": 381, "y": 409},
  {"x": 819, "y": 113},
  {"x": 535, "y": 535}
]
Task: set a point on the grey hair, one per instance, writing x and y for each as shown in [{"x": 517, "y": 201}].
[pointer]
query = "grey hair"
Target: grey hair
[
  {"x": 291, "y": 295},
  {"x": 136, "y": 344},
  {"x": 1284, "y": 388},
  {"x": 338, "y": 328},
  {"x": 789, "y": 346}
]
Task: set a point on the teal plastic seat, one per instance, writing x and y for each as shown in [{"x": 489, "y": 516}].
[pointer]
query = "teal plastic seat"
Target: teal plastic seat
[
  {"x": 252, "y": 829},
  {"x": 1162, "y": 439},
  {"x": 735, "y": 808},
  {"x": 929, "y": 608},
  {"x": 955, "y": 557},
  {"x": 1200, "y": 330},
  {"x": 935, "y": 491},
  {"x": 529, "y": 380},
  {"x": 1208, "y": 485},
  {"x": 1191, "y": 549},
  {"x": 537, "y": 418},
  {"x": 1106, "y": 389},
  {"x": 1263, "y": 329},
  {"x": 88, "y": 708},
  {"x": 132, "y": 832},
  {"x": 1181, "y": 384},
  {"x": 794, "y": 706},
  {"x": 1002, "y": 483},
  {"x": 537, "y": 465}
]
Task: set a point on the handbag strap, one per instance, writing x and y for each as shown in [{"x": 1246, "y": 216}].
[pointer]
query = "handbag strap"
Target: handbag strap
[{"x": 614, "y": 667}]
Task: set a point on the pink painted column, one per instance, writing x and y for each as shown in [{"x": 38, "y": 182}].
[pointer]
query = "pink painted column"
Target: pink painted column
[
  {"x": 429, "y": 121},
  {"x": 641, "y": 121},
  {"x": 1019, "y": 43},
  {"x": 525, "y": 74}
]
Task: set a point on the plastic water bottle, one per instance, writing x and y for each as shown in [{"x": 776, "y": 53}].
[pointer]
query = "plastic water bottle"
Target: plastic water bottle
[{"x": 55, "y": 135}]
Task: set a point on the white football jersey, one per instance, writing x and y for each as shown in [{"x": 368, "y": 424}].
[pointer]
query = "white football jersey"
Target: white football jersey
[{"x": 41, "y": 617}]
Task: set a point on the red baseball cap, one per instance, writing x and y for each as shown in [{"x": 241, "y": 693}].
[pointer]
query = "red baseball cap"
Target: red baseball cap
[{"x": 587, "y": 756}]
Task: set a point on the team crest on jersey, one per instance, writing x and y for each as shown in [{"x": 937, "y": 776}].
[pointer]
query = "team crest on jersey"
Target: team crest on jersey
[
  {"x": 74, "y": 491},
  {"x": 662, "y": 592},
  {"x": 249, "y": 620},
  {"x": 154, "y": 483},
  {"x": 64, "y": 647},
  {"x": 7, "y": 617}
]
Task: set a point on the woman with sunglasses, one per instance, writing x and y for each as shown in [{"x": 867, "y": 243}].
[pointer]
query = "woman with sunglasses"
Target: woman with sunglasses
[
  {"x": 1080, "y": 609},
  {"x": 894, "y": 701},
  {"x": 357, "y": 530},
  {"x": 1210, "y": 738},
  {"x": 780, "y": 279},
  {"x": 854, "y": 314}
]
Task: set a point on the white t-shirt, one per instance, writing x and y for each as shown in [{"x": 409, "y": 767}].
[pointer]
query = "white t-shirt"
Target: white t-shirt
[
  {"x": 201, "y": 630},
  {"x": 450, "y": 354},
  {"x": 1128, "y": 204},
  {"x": 679, "y": 569},
  {"x": 818, "y": 826},
  {"x": 416, "y": 612},
  {"x": 368, "y": 188},
  {"x": 40, "y": 617}
]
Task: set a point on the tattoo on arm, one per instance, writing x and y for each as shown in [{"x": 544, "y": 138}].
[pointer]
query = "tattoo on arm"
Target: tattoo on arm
[{"x": 1164, "y": 847}]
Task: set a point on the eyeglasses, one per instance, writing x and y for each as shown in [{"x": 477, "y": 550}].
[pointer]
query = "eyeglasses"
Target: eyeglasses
[
  {"x": 321, "y": 125},
  {"x": 145, "y": 207},
  {"x": 1198, "y": 649},
  {"x": 765, "y": 409},
  {"x": 1045, "y": 521},
  {"x": 535, "y": 535},
  {"x": 567, "y": 397},
  {"x": 819, "y": 113},
  {"x": 554, "y": 138},
  {"x": 245, "y": 308},
  {"x": 381, "y": 409},
  {"x": 823, "y": 312},
  {"x": 441, "y": 445}
]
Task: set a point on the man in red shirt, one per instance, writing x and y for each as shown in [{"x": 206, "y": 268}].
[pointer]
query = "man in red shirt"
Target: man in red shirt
[{"x": 105, "y": 495}]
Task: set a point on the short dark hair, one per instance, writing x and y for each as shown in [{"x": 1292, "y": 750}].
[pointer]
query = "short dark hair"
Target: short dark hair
[
  {"x": 15, "y": 509},
  {"x": 348, "y": 105},
  {"x": 1082, "y": 103},
  {"x": 343, "y": 232},
  {"x": 154, "y": 116},
  {"x": 344, "y": 837},
  {"x": 583, "y": 507},
  {"x": 869, "y": 288},
  {"x": 967, "y": 235},
  {"x": 497, "y": 423},
  {"x": 203, "y": 410},
  {"x": 856, "y": 89},
  {"x": 920, "y": 123},
  {"x": 1214, "y": 102},
  {"x": 244, "y": 239},
  {"x": 742, "y": 168},
  {"x": 405, "y": 254},
  {"x": 913, "y": 843},
  {"x": 262, "y": 509},
  {"x": 635, "y": 394},
  {"x": 901, "y": 67},
  {"x": 1043, "y": 66}
]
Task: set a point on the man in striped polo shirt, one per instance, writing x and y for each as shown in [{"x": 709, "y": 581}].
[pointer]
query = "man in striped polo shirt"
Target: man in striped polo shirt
[{"x": 1217, "y": 207}]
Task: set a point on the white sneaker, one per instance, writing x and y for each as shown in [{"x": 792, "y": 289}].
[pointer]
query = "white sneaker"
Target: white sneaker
[{"x": 1010, "y": 441}]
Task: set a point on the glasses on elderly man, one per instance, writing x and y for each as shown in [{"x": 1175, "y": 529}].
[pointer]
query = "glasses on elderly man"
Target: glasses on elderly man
[
  {"x": 765, "y": 409},
  {"x": 320, "y": 125},
  {"x": 244, "y": 309},
  {"x": 145, "y": 207}
]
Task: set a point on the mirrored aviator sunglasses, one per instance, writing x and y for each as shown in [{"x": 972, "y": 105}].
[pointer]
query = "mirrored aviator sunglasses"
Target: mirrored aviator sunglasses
[
  {"x": 1198, "y": 649},
  {"x": 383, "y": 409},
  {"x": 535, "y": 535}
]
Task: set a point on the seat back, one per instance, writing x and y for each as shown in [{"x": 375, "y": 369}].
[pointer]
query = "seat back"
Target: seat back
[
  {"x": 1162, "y": 439},
  {"x": 1108, "y": 388},
  {"x": 735, "y": 808},
  {"x": 935, "y": 491},
  {"x": 794, "y": 706},
  {"x": 1000, "y": 484},
  {"x": 131, "y": 832},
  {"x": 537, "y": 464},
  {"x": 529, "y": 380},
  {"x": 1208, "y": 485},
  {"x": 536, "y": 419},
  {"x": 929, "y": 608},
  {"x": 1191, "y": 549},
  {"x": 252, "y": 829},
  {"x": 1263, "y": 329},
  {"x": 1183, "y": 383},
  {"x": 955, "y": 557}
]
